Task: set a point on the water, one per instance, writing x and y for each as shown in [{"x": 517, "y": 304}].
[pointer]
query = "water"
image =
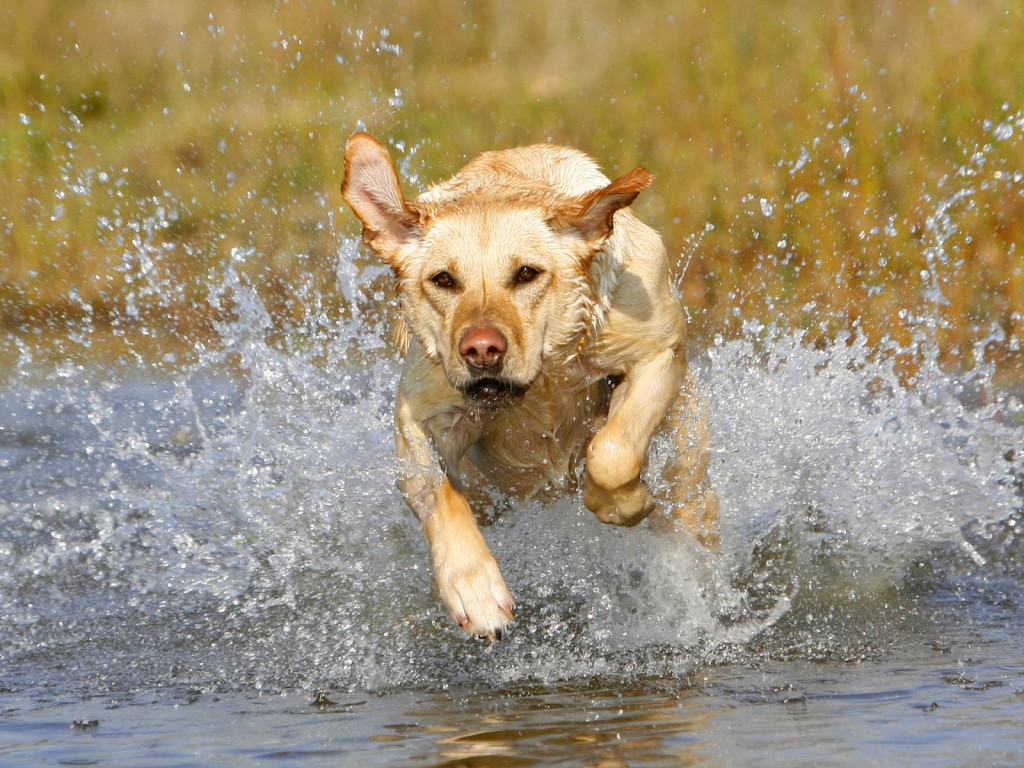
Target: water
[{"x": 204, "y": 561}]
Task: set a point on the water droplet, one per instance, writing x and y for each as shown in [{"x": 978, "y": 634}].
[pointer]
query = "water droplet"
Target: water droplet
[
  {"x": 1003, "y": 131},
  {"x": 801, "y": 161}
]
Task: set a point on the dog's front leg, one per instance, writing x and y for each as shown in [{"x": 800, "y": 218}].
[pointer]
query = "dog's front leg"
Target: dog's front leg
[
  {"x": 612, "y": 489},
  {"x": 467, "y": 575}
]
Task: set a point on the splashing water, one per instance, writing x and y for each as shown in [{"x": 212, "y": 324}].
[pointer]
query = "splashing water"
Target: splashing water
[
  {"x": 218, "y": 530},
  {"x": 231, "y": 520}
]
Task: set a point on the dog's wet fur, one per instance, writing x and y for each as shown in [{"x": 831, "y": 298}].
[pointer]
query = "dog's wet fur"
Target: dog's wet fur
[{"x": 541, "y": 332}]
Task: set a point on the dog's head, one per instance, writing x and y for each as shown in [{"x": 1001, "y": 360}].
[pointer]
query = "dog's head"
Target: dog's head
[{"x": 494, "y": 284}]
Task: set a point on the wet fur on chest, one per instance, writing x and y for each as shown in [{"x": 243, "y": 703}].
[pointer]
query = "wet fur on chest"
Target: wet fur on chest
[{"x": 524, "y": 449}]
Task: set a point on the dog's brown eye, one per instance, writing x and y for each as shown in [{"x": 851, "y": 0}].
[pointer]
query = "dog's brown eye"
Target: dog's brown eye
[
  {"x": 526, "y": 275},
  {"x": 443, "y": 280}
]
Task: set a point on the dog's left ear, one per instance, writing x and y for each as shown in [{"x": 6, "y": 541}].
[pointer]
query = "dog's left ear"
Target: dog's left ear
[
  {"x": 593, "y": 214},
  {"x": 372, "y": 189}
]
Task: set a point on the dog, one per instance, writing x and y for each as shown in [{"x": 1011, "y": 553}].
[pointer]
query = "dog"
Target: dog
[{"x": 544, "y": 347}]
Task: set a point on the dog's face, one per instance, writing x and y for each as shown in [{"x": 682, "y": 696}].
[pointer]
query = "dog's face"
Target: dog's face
[
  {"x": 493, "y": 286},
  {"x": 485, "y": 292}
]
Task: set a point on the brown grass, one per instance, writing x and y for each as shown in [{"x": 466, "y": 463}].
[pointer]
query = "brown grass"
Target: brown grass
[{"x": 818, "y": 165}]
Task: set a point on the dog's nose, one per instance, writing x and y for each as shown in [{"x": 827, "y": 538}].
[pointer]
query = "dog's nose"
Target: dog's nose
[{"x": 482, "y": 347}]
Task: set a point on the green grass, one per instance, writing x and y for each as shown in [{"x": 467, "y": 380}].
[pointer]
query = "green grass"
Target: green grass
[{"x": 804, "y": 152}]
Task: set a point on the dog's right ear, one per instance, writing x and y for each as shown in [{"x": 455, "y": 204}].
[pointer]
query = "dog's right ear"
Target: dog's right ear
[{"x": 372, "y": 189}]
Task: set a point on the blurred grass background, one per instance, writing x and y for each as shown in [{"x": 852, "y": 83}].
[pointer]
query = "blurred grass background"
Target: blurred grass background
[{"x": 823, "y": 165}]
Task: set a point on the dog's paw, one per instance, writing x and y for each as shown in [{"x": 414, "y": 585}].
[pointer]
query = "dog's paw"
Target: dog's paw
[
  {"x": 475, "y": 594},
  {"x": 626, "y": 505}
]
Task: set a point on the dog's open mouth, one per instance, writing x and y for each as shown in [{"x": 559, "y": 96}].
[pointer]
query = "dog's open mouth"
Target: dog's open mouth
[{"x": 492, "y": 393}]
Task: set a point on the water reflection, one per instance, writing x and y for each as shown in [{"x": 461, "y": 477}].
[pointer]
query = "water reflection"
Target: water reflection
[
  {"x": 951, "y": 696},
  {"x": 593, "y": 727}
]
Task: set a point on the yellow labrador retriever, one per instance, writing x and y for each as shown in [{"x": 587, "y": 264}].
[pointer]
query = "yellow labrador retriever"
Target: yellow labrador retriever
[{"x": 542, "y": 332}]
